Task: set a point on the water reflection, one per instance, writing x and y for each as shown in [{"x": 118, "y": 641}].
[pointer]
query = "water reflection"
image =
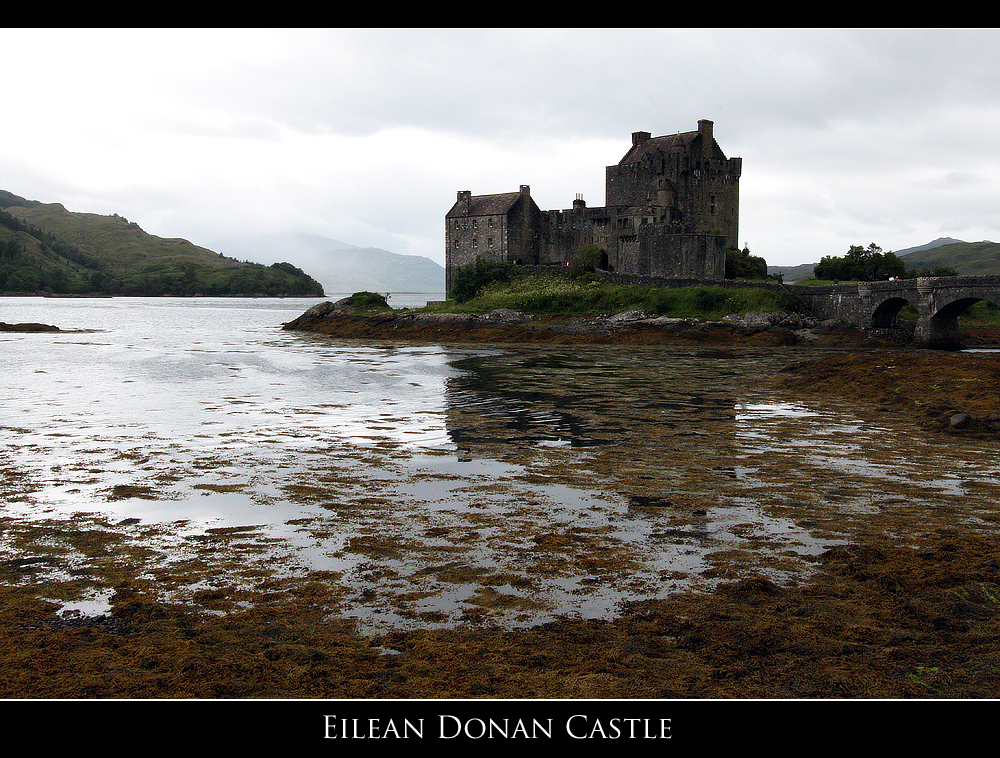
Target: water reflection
[{"x": 582, "y": 398}]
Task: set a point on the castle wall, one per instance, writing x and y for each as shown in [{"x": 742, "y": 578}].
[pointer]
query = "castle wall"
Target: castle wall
[
  {"x": 714, "y": 199},
  {"x": 564, "y": 232},
  {"x": 649, "y": 251}
]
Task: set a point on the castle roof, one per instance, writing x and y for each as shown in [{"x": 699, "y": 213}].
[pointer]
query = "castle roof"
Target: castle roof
[
  {"x": 701, "y": 142},
  {"x": 665, "y": 144},
  {"x": 484, "y": 205}
]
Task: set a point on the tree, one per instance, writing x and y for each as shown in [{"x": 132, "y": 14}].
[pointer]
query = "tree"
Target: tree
[
  {"x": 741, "y": 265},
  {"x": 931, "y": 271},
  {"x": 860, "y": 264},
  {"x": 586, "y": 261}
]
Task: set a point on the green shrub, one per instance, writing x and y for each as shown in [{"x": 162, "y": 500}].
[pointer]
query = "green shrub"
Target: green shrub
[
  {"x": 472, "y": 277},
  {"x": 585, "y": 261},
  {"x": 368, "y": 301},
  {"x": 741, "y": 265}
]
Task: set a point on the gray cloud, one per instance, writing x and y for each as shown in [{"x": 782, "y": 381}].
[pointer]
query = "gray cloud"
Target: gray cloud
[{"x": 364, "y": 135}]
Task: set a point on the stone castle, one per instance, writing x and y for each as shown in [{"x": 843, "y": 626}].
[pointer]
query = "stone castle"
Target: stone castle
[{"x": 672, "y": 210}]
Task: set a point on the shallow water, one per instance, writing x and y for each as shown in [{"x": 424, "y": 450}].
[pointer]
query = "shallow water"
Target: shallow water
[{"x": 441, "y": 484}]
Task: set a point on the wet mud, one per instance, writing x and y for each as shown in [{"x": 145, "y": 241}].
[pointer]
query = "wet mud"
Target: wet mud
[
  {"x": 879, "y": 619},
  {"x": 816, "y": 582},
  {"x": 953, "y": 393}
]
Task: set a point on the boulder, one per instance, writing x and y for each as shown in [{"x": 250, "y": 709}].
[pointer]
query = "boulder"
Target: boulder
[
  {"x": 508, "y": 316},
  {"x": 959, "y": 420},
  {"x": 759, "y": 320},
  {"x": 627, "y": 317}
]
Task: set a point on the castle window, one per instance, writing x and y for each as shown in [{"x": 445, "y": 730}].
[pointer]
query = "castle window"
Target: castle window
[{"x": 712, "y": 205}]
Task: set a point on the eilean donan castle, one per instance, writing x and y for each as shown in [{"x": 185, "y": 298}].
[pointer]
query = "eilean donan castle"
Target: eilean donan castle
[{"x": 672, "y": 210}]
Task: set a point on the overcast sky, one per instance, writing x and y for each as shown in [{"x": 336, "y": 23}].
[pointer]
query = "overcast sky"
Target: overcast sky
[{"x": 848, "y": 136}]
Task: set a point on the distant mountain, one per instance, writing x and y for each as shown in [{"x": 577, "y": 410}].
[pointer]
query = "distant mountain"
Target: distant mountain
[
  {"x": 45, "y": 248},
  {"x": 968, "y": 258},
  {"x": 342, "y": 267},
  {"x": 939, "y": 242},
  {"x": 791, "y": 274}
]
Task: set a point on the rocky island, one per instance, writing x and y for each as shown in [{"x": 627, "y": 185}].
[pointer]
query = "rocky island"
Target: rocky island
[
  {"x": 629, "y": 327},
  {"x": 4, "y": 327}
]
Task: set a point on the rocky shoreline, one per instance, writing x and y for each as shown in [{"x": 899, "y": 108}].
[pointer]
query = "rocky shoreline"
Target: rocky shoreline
[{"x": 628, "y": 327}]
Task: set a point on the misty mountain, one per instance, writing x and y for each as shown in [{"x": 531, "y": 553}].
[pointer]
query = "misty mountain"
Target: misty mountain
[{"x": 339, "y": 266}]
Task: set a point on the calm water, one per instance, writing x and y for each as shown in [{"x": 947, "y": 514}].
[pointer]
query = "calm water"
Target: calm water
[{"x": 448, "y": 484}]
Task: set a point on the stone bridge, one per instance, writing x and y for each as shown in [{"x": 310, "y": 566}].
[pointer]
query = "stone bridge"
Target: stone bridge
[{"x": 875, "y": 305}]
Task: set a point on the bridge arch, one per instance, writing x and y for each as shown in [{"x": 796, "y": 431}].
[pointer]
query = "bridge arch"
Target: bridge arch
[
  {"x": 887, "y": 311},
  {"x": 957, "y": 307},
  {"x": 943, "y": 305}
]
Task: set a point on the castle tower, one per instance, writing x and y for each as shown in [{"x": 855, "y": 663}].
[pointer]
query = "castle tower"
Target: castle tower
[{"x": 686, "y": 176}]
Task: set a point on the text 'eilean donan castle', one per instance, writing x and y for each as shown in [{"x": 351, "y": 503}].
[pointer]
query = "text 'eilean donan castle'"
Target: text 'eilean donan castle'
[{"x": 672, "y": 209}]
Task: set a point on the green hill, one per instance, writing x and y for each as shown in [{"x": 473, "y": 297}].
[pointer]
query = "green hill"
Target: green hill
[
  {"x": 45, "y": 248},
  {"x": 968, "y": 258}
]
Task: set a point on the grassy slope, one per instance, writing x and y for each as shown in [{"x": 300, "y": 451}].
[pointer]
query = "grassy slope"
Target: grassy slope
[
  {"x": 968, "y": 258},
  {"x": 64, "y": 251},
  {"x": 120, "y": 243}
]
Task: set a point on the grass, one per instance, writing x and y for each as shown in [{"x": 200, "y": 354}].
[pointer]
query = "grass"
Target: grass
[
  {"x": 824, "y": 282},
  {"x": 588, "y": 297},
  {"x": 982, "y": 313}
]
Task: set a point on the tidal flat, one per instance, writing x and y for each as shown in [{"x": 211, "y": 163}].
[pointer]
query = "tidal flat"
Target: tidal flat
[{"x": 273, "y": 515}]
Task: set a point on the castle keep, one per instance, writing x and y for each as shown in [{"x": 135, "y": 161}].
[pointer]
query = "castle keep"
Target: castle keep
[{"x": 672, "y": 210}]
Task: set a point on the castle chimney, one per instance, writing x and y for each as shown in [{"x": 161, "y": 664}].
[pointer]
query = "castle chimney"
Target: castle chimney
[
  {"x": 465, "y": 198},
  {"x": 526, "y": 190},
  {"x": 639, "y": 137},
  {"x": 707, "y": 141}
]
